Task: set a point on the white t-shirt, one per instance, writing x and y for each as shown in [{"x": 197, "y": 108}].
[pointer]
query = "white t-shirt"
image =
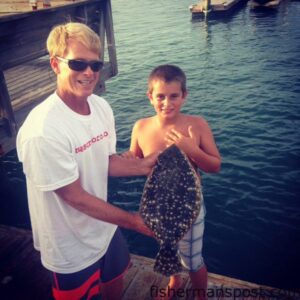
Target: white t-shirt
[{"x": 57, "y": 146}]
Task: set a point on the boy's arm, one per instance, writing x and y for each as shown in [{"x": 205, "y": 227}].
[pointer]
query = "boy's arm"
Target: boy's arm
[
  {"x": 134, "y": 145},
  {"x": 205, "y": 154}
]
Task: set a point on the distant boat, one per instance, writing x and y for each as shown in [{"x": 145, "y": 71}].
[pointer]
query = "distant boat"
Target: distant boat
[
  {"x": 214, "y": 7},
  {"x": 264, "y": 4}
]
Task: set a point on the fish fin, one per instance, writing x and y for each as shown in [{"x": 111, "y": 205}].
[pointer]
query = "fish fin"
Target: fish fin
[{"x": 167, "y": 261}]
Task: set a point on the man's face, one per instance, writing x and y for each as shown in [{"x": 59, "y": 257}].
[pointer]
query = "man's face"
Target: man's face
[{"x": 76, "y": 85}]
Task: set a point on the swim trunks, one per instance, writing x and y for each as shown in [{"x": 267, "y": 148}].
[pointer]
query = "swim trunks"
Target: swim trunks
[
  {"x": 85, "y": 284},
  {"x": 190, "y": 246}
]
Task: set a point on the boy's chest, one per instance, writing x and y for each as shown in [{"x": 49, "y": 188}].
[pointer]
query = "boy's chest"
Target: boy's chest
[
  {"x": 151, "y": 141},
  {"x": 153, "y": 144}
]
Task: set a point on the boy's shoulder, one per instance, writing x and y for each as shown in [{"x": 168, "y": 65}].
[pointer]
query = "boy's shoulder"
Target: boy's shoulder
[
  {"x": 144, "y": 121},
  {"x": 196, "y": 120}
]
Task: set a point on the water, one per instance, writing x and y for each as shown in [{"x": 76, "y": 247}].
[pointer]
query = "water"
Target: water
[{"x": 244, "y": 78}]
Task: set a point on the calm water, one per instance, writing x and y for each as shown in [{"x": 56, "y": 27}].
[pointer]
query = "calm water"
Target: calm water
[{"x": 244, "y": 78}]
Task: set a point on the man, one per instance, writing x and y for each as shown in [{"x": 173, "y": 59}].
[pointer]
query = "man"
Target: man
[{"x": 67, "y": 147}]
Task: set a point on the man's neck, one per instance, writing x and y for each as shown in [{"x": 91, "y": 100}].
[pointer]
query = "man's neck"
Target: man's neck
[{"x": 78, "y": 105}]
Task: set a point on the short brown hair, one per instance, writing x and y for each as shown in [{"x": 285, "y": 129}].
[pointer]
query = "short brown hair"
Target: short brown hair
[{"x": 167, "y": 73}]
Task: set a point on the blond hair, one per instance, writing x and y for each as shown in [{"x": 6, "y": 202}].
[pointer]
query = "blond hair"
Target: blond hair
[{"x": 57, "y": 42}]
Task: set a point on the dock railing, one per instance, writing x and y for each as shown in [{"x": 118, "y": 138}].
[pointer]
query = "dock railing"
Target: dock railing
[{"x": 25, "y": 75}]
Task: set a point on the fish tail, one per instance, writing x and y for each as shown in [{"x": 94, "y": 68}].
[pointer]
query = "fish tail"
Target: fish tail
[{"x": 167, "y": 261}]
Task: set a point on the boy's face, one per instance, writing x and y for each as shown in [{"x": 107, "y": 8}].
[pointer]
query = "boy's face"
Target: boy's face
[{"x": 167, "y": 98}]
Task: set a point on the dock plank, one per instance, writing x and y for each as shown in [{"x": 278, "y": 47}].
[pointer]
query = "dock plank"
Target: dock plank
[
  {"x": 34, "y": 80},
  {"x": 30, "y": 83},
  {"x": 21, "y": 273},
  {"x": 23, "y": 277},
  {"x": 35, "y": 75},
  {"x": 21, "y": 6}
]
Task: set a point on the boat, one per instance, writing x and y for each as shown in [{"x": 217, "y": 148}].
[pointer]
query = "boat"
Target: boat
[
  {"x": 264, "y": 4},
  {"x": 214, "y": 7}
]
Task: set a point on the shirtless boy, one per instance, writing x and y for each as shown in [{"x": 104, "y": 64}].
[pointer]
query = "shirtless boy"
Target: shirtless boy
[{"x": 167, "y": 93}]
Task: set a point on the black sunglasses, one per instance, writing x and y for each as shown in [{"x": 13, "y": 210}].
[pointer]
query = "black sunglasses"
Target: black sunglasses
[{"x": 81, "y": 65}]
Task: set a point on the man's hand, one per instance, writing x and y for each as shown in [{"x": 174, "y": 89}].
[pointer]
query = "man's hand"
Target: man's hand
[
  {"x": 129, "y": 155},
  {"x": 141, "y": 227},
  {"x": 148, "y": 162}
]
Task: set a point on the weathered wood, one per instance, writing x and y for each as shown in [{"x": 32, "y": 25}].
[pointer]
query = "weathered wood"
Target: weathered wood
[
  {"x": 102, "y": 32},
  {"x": 219, "y": 286},
  {"x": 39, "y": 81},
  {"x": 23, "y": 277},
  {"x": 24, "y": 38},
  {"x": 6, "y": 111},
  {"x": 8, "y": 7},
  {"x": 21, "y": 273},
  {"x": 110, "y": 38}
]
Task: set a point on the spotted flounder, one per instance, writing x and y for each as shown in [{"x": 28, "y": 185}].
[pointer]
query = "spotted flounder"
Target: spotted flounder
[{"x": 170, "y": 203}]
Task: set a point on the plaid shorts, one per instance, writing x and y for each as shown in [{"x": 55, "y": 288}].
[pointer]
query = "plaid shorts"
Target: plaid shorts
[{"x": 190, "y": 246}]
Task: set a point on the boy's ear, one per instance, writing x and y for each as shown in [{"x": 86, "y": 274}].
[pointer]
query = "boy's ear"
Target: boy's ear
[
  {"x": 184, "y": 95},
  {"x": 149, "y": 95}
]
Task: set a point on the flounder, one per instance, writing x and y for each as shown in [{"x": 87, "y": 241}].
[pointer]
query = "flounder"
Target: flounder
[{"x": 170, "y": 204}]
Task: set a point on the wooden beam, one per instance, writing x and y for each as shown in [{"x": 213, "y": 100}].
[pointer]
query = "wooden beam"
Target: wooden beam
[
  {"x": 110, "y": 38},
  {"x": 6, "y": 111}
]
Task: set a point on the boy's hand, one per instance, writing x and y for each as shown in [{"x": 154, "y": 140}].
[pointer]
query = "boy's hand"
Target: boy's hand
[{"x": 185, "y": 143}]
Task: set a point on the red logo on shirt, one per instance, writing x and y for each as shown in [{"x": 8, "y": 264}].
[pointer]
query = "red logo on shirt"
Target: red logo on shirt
[{"x": 92, "y": 141}]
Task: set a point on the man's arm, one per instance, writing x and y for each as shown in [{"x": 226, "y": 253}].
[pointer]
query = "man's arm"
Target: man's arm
[
  {"x": 74, "y": 195},
  {"x": 123, "y": 166}
]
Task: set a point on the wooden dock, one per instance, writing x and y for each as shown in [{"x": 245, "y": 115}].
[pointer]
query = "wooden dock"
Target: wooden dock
[
  {"x": 23, "y": 277},
  {"x": 215, "y": 7},
  {"x": 25, "y": 75},
  {"x": 8, "y": 7}
]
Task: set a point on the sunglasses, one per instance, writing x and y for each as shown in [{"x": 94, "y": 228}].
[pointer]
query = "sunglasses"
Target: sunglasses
[{"x": 81, "y": 65}]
